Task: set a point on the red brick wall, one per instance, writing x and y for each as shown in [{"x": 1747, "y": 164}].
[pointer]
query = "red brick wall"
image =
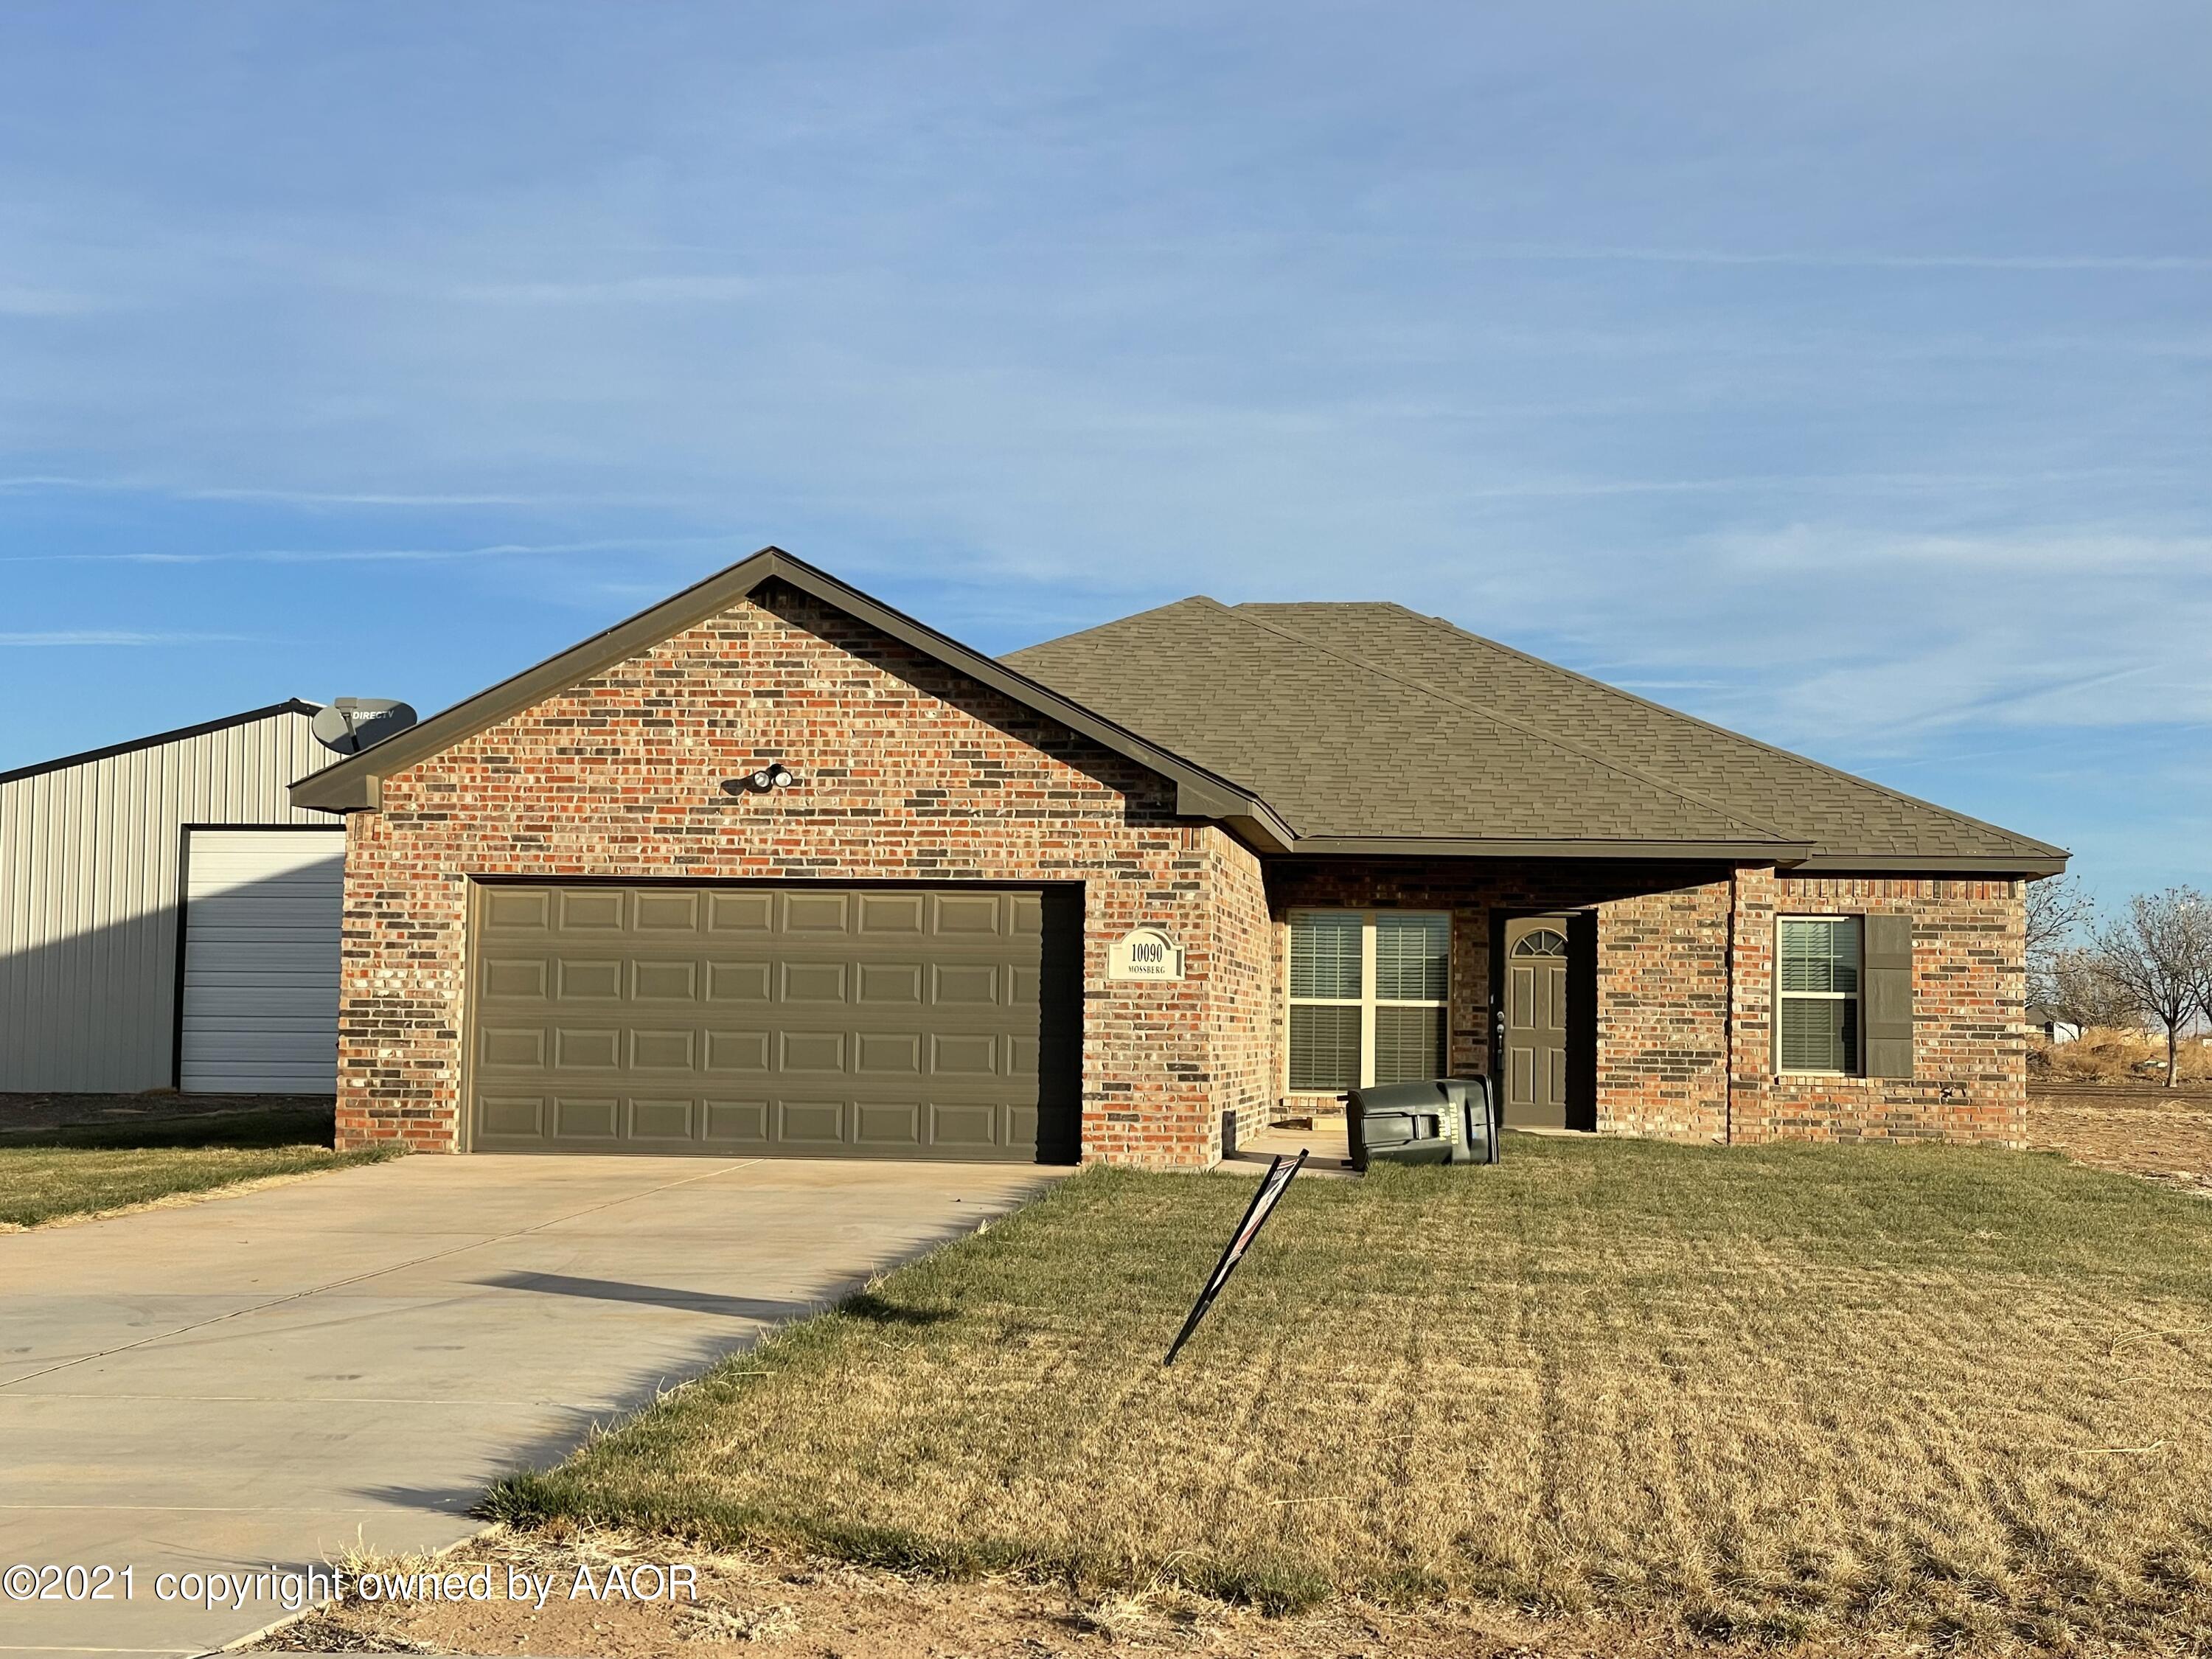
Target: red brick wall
[
  {"x": 905, "y": 770},
  {"x": 1241, "y": 1030},
  {"x": 1663, "y": 1012},
  {"x": 1969, "y": 992}
]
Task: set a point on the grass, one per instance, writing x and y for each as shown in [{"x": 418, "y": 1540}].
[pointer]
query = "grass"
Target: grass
[
  {"x": 46, "y": 1175},
  {"x": 1935, "y": 1394}
]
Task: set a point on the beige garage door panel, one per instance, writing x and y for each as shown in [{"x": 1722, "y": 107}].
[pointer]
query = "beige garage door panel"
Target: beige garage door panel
[{"x": 825, "y": 1022}]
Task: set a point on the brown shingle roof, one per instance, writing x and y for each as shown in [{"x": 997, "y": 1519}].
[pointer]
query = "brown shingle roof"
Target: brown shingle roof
[{"x": 1370, "y": 721}]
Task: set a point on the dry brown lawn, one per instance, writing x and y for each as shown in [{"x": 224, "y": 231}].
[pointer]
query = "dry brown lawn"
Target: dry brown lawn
[
  {"x": 64, "y": 1158},
  {"x": 1891, "y": 1395}
]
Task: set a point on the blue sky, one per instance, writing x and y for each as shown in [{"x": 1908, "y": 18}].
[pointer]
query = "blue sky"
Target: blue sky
[{"x": 1839, "y": 373}]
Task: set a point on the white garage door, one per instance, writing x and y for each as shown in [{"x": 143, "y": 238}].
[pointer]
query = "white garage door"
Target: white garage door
[{"x": 261, "y": 961}]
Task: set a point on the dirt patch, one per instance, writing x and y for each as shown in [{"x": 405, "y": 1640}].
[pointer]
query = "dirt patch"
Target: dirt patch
[
  {"x": 2162, "y": 1135},
  {"x": 791, "y": 1607},
  {"x": 23, "y": 1113}
]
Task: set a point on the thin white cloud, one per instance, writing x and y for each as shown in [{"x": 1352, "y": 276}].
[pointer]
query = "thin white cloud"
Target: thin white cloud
[
  {"x": 347, "y": 498},
  {"x": 110, "y": 636},
  {"x": 630, "y": 290},
  {"x": 379, "y": 554},
  {"x": 43, "y": 302},
  {"x": 1530, "y": 489},
  {"x": 2030, "y": 700},
  {"x": 1750, "y": 482},
  {"x": 26, "y": 482},
  {"x": 1897, "y": 644},
  {"x": 30, "y": 483},
  {"x": 2098, "y": 560},
  {"x": 1854, "y": 260}
]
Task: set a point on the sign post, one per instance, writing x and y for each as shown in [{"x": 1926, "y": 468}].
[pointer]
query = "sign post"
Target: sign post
[{"x": 1273, "y": 1185}]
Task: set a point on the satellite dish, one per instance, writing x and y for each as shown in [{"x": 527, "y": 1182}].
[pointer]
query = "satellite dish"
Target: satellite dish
[{"x": 350, "y": 724}]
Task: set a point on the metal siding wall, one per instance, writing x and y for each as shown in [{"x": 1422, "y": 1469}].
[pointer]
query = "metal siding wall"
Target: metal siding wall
[{"x": 88, "y": 858}]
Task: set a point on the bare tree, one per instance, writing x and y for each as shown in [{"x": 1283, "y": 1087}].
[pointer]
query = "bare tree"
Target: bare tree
[
  {"x": 2056, "y": 909},
  {"x": 2160, "y": 954},
  {"x": 2085, "y": 996},
  {"x": 2204, "y": 978}
]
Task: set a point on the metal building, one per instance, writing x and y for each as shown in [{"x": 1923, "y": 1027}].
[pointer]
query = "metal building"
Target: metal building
[{"x": 169, "y": 918}]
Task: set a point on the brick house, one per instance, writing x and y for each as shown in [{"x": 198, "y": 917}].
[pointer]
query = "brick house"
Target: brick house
[{"x": 773, "y": 868}]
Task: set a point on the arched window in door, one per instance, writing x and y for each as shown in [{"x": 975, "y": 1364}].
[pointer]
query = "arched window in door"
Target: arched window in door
[{"x": 1544, "y": 942}]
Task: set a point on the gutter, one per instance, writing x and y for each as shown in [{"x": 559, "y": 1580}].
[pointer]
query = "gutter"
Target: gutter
[{"x": 1784, "y": 853}]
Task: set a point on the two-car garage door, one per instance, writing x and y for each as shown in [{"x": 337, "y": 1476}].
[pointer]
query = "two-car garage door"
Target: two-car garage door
[{"x": 912, "y": 1022}]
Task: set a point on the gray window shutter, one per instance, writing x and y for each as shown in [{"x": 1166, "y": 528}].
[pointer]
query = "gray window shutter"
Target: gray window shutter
[{"x": 1887, "y": 992}]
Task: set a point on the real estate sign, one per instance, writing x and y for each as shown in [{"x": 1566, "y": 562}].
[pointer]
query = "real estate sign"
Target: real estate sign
[{"x": 1273, "y": 1185}]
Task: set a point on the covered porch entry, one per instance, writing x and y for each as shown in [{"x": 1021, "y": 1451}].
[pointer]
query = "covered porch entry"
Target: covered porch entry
[{"x": 1393, "y": 971}]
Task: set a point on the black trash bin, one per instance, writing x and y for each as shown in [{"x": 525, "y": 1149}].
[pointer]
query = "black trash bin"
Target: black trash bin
[{"x": 1442, "y": 1121}]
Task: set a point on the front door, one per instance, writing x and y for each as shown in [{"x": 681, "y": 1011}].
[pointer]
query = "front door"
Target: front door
[{"x": 1533, "y": 1023}]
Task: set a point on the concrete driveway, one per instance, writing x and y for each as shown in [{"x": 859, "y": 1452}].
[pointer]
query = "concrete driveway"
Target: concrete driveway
[{"x": 271, "y": 1378}]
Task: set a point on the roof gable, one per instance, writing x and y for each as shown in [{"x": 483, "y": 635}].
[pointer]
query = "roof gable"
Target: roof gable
[{"x": 354, "y": 783}]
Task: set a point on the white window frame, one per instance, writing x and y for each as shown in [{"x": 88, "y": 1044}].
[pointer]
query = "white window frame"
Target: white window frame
[
  {"x": 1366, "y": 1001},
  {"x": 1857, "y": 1067}
]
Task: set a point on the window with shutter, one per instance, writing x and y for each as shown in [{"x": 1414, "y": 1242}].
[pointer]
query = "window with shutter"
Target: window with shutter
[
  {"x": 1369, "y": 991},
  {"x": 1817, "y": 989},
  {"x": 1886, "y": 989}
]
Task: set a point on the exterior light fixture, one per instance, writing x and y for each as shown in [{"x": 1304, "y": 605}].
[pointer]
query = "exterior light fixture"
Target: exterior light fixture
[{"x": 775, "y": 775}]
